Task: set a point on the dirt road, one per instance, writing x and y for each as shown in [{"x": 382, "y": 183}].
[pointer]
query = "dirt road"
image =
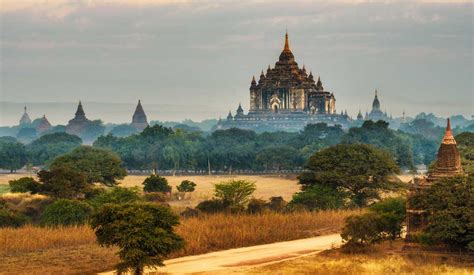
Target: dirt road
[{"x": 241, "y": 258}]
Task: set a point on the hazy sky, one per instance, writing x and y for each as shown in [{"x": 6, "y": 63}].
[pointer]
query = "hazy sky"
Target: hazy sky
[{"x": 418, "y": 54}]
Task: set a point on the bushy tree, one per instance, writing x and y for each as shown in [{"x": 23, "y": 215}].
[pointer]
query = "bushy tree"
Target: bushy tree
[
  {"x": 44, "y": 149},
  {"x": 98, "y": 165},
  {"x": 12, "y": 155},
  {"x": 318, "y": 197},
  {"x": 23, "y": 185},
  {"x": 153, "y": 235},
  {"x": 358, "y": 170},
  {"x": 235, "y": 193},
  {"x": 64, "y": 212},
  {"x": 186, "y": 186},
  {"x": 392, "y": 213},
  {"x": 116, "y": 195},
  {"x": 9, "y": 218},
  {"x": 212, "y": 206},
  {"x": 61, "y": 182},
  {"x": 156, "y": 183}
]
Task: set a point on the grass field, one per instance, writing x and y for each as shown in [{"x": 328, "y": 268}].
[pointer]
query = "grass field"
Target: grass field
[
  {"x": 72, "y": 249},
  {"x": 384, "y": 259},
  {"x": 267, "y": 186}
]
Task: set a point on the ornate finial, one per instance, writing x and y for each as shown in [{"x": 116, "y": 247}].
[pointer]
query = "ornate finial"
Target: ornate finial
[
  {"x": 287, "y": 44},
  {"x": 253, "y": 79},
  {"x": 375, "y": 92},
  {"x": 448, "y": 135}
]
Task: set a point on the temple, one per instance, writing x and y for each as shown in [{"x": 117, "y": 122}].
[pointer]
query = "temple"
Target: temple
[
  {"x": 376, "y": 113},
  {"x": 25, "y": 119},
  {"x": 76, "y": 125},
  {"x": 43, "y": 125},
  {"x": 447, "y": 164},
  {"x": 139, "y": 120},
  {"x": 287, "y": 98}
]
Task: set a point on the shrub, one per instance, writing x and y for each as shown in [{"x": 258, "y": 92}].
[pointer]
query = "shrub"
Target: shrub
[
  {"x": 155, "y": 197},
  {"x": 235, "y": 193},
  {"x": 362, "y": 230},
  {"x": 190, "y": 212},
  {"x": 23, "y": 185},
  {"x": 156, "y": 183},
  {"x": 66, "y": 212},
  {"x": 186, "y": 186},
  {"x": 9, "y": 218},
  {"x": 212, "y": 206},
  {"x": 257, "y": 206},
  {"x": 318, "y": 197},
  {"x": 153, "y": 235},
  {"x": 62, "y": 182},
  {"x": 277, "y": 204},
  {"x": 116, "y": 195},
  {"x": 392, "y": 214}
]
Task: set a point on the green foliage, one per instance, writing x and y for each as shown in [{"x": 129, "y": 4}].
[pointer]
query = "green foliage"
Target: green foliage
[
  {"x": 156, "y": 183},
  {"x": 450, "y": 204},
  {"x": 23, "y": 185},
  {"x": 64, "y": 212},
  {"x": 123, "y": 130},
  {"x": 277, "y": 204},
  {"x": 212, "y": 206},
  {"x": 47, "y": 147},
  {"x": 27, "y": 134},
  {"x": 319, "y": 197},
  {"x": 9, "y": 218},
  {"x": 12, "y": 155},
  {"x": 392, "y": 213},
  {"x": 115, "y": 195},
  {"x": 360, "y": 171},
  {"x": 235, "y": 193},
  {"x": 465, "y": 144},
  {"x": 153, "y": 236},
  {"x": 186, "y": 186},
  {"x": 279, "y": 157},
  {"x": 61, "y": 182},
  {"x": 98, "y": 165},
  {"x": 362, "y": 230}
]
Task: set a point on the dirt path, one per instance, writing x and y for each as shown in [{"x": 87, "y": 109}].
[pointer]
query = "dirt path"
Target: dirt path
[{"x": 248, "y": 256}]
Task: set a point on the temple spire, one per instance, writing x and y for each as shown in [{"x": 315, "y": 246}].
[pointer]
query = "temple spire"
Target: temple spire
[
  {"x": 448, "y": 134},
  {"x": 287, "y": 44}
]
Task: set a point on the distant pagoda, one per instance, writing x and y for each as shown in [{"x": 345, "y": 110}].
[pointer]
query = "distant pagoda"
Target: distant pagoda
[
  {"x": 448, "y": 164},
  {"x": 76, "y": 125},
  {"x": 376, "y": 113},
  {"x": 139, "y": 120},
  {"x": 43, "y": 125},
  {"x": 25, "y": 118}
]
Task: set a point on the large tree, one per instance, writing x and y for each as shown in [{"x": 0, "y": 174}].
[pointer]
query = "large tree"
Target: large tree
[
  {"x": 98, "y": 165},
  {"x": 143, "y": 232},
  {"x": 48, "y": 147},
  {"x": 12, "y": 155},
  {"x": 358, "y": 170}
]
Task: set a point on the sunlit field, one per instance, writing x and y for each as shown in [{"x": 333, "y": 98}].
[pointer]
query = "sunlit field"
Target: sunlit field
[{"x": 72, "y": 249}]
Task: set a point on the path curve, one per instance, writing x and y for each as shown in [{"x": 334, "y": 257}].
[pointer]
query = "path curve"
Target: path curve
[{"x": 248, "y": 256}]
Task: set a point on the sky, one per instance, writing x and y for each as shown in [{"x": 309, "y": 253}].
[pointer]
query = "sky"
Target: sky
[{"x": 199, "y": 56}]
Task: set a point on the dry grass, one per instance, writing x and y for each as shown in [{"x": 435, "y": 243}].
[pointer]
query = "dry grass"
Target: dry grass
[
  {"x": 71, "y": 249},
  {"x": 384, "y": 259}
]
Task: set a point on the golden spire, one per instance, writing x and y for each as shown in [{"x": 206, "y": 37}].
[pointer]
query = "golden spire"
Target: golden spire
[
  {"x": 448, "y": 135},
  {"x": 287, "y": 44}
]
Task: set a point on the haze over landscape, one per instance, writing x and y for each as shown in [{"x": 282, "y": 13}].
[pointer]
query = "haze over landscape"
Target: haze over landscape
[{"x": 195, "y": 59}]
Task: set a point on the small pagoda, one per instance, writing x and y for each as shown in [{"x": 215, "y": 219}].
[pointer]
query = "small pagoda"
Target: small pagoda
[
  {"x": 448, "y": 164},
  {"x": 43, "y": 125}
]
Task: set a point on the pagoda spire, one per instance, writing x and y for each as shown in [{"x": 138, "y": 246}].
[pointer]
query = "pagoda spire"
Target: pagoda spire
[
  {"x": 80, "y": 111},
  {"x": 448, "y": 134},
  {"x": 287, "y": 44}
]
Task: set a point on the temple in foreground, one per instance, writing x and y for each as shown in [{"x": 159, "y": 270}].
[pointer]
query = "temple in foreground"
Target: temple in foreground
[
  {"x": 447, "y": 164},
  {"x": 286, "y": 98}
]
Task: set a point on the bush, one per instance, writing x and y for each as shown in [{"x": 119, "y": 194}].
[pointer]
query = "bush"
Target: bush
[
  {"x": 212, "y": 206},
  {"x": 116, "y": 195},
  {"x": 235, "y": 193},
  {"x": 257, "y": 206},
  {"x": 277, "y": 204},
  {"x": 362, "y": 230},
  {"x": 190, "y": 212},
  {"x": 23, "y": 185},
  {"x": 156, "y": 183},
  {"x": 66, "y": 212},
  {"x": 155, "y": 197},
  {"x": 318, "y": 197},
  {"x": 186, "y": 186},
  {"x": 9, "y": 218},
  {"x": 62, "y": 182},
  {"x": 392, "y": 214}
]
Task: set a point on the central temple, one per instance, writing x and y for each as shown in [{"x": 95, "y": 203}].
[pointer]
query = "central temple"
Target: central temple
[{"x": 286, "y": 98}]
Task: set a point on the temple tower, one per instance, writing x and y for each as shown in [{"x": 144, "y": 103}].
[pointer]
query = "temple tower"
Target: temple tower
[
  {"x": 25, "y": 118},
  {"x": 44, "y": 125},
  {"x": 76, "y": 125},
  {"x": 139, "y": 120}
]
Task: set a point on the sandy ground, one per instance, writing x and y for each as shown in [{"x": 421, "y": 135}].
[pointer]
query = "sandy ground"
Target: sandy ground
[{"x": 243, "y": 258}]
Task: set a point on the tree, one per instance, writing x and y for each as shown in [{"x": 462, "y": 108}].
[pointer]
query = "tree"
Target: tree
[
  {"x": 116, "y": 195},
  {"x": 123, "y": 130},
  {"x": 27, "y": 135},
  {"x": 279, "y": 157},
  {"x": 465, "y": 143},
  {"x": 98, "y": 165},
  {"x": 65, "y": 212},
  {"x": 12, "y": 155},
  {"x": 47, "y": 147},
  {"x": 392, "y": 213},
  {"x": 23, "y": 185},
  {"x": 235, "y": 193},
  {"x": 153, "y": 235},
  {"x": 62, "y": 182},
  {"x": 450, "y": 204},
  {"x": 319, "y": 197},
  {"x": 186, "y": 186},
  {"x": 156, "y": 183},
  {"x": 360, "y": 171}
]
